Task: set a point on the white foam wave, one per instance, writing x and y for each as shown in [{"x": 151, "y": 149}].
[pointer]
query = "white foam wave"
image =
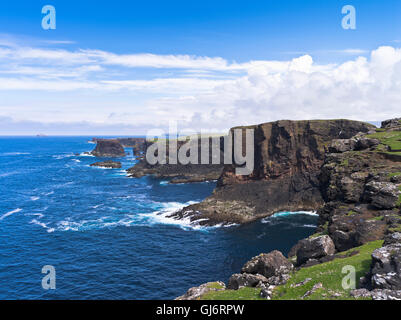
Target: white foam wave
[
  {"x": 104, "y": 222},
  {"x": 163, "y": 216},
  {"x": 271, "y": 219},
  {"x": 85, "y": 154},
  {"x": 44, "y": 225},
  {"x": 35, "y": 198},
  {"x": 121, "y": 173},
  {"x": 142, "y": 219},
  {"x": 10, "y": 213},
  {"x": 285, "y": 214}
]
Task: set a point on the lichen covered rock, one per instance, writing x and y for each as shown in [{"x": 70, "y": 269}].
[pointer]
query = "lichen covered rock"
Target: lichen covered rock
[{"x": 314, "y": 248}]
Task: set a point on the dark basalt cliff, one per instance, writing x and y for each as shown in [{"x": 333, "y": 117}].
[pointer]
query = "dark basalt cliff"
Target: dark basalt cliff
[
  {"x": 108, "y": 149},
  {"x": 361, "y": 186},
  {"x": 289, "y": 156},
  {"x": 179, "y": 173},
  {"x": 139, "y": 145},
  {"x": 357, "y": 185}
]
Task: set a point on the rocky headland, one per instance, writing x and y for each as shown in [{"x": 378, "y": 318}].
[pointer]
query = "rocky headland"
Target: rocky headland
[
  {"x": 108, "y": 148},
  {"x": 288, "y": 157},
  {"x": 182, "y": 173},
  {"x": 350, "y": 173},
  {"x": 138, "y": 145}
]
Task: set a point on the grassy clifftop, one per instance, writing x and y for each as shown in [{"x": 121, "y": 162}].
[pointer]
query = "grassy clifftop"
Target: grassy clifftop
[{"x": 328, "y": 274}]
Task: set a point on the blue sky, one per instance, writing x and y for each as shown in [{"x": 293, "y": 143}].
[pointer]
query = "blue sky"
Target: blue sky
[{"x": 122, "y": 67}]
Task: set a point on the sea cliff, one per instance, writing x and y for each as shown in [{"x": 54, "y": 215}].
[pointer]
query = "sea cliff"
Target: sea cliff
[{"x": 350, "y": 172}]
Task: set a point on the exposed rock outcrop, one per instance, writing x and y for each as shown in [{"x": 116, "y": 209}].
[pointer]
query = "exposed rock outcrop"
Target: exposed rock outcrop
[
  {"x": 240, "y": 280},
  {"x": 314, "y": 248},
  {"x": 108, "y": 149},
  {"x": 385, "y": 272},
  {"x": 268, "y": 264},
  {"x": 288, "y": 158},
  {"x": 383, "y": 282},
  {"x": 184, "y": 173},
  {"x": 354, "y": 180},
  {"x": 107, "y": 164},
  {"x": 196, "y": 292},
  {"x": 392, "y": 123},
  {"x": 138, "y": 145},
  {"x": 265, "y": 271},
  {"x": 377, "y": 294},
  {"x": 362, "y": 189}
]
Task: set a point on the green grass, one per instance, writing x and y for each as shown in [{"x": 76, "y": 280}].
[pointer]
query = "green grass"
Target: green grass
[
  {"x": 389, "y": 138},
  {"x": 376, "y": 219},
  {"x": 395, "y": 229},
  {"x": 215, "y": 285},
  {"x": 395, "y": 174},
  {"x": 330, "y": 275},
  {"x": 240, "y": 294}
]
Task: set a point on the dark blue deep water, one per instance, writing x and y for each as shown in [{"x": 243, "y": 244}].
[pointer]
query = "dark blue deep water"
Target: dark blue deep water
[{"x": 106, "y": 234}]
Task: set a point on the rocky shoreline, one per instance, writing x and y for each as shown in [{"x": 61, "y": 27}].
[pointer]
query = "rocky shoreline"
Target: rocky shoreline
[
  {"x": 349, "y": 172},
  {"x": 288, "y": 159},
  {"x": 358, "y": 179}
]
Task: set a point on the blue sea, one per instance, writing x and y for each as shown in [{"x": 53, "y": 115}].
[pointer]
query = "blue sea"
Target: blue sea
[{"x": 107, "y": 235}]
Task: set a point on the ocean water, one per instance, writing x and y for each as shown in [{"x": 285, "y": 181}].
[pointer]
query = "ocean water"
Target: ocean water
[{"x": 107, "y": 235}]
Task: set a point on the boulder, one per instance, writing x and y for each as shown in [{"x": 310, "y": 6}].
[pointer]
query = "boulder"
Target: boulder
[
  {"x": 293, "y": 251},
  {"x": 385, "y": 270},
  {"x": 240, "y": 280},
  {"x": 268, "y": 264},
  {"x": 342, "y": 145},
  {"x": 392, "y": 123},
  {"x": 377, "y": 294},
  {"x": 386, "y": 294},
  {"x": 392, "y": 238},
  {"x": 267, "y": 292},
  {"x": 108, "y": 149},
  {"x": 196, "y": 292},
  {"x": 107, "y": 164},
  {"x": 382, "y": 195},
  {"x": 315, "y": 248},
  {"x": 366, "y": 143},
  {"x": 316, "y": 287},
  {"x": 354, "y": 231}
]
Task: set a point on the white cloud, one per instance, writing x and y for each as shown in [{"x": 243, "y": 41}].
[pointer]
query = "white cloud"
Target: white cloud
[{"x": 149, "y": 89}]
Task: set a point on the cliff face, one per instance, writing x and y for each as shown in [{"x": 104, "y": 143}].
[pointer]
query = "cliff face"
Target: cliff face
[
  {"x": 358, "y": 182},
  {"x": 288, "y": 158},
  {"x": 179, "y": 173},
  {"x": 138, "y": 144},
  {"x": 108, "y": 149},
  {"x": 361, "y": 185}
]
